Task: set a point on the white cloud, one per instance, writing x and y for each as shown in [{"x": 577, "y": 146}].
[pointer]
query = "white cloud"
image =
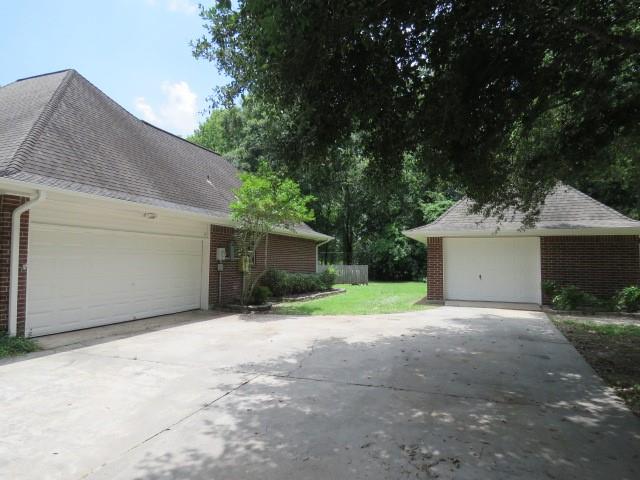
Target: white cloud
[
  {"x": 183, "y": 6},
  {"x": 178, "y": 111},
  {"x": 180, "y": 6}
]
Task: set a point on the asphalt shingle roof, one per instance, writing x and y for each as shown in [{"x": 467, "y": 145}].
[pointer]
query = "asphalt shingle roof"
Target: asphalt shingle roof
[
  {"x": 60, "y": 130},
  {"x": 565, "y": 208}
]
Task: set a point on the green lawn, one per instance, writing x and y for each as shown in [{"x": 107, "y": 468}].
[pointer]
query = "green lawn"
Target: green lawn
[
  {"x": 10, "y": 346},
  {"x": 377, "y": 297}
]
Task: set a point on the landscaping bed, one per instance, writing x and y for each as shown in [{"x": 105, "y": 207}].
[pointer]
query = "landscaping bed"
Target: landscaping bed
[
  {"x": 11, "y": 346},
  {"x": 301, "y": 297},
  {"x": 611, "y": 345}
]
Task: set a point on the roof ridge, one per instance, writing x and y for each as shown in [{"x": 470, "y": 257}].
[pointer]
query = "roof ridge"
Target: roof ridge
[
  {"x": 144, "y": 122},
  {"x": 42, "y": 75},
  {"x": 180, "y": 138},
  {"x": 600, "y": 204},
  {"x": 23, "y": 150}
]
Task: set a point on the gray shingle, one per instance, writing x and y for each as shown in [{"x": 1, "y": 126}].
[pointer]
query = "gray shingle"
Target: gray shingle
[
  {"x": 60, "y": 130},
  {"x": 565, "y": 208}
]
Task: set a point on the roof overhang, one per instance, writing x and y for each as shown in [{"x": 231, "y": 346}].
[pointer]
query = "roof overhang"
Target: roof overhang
[
  {"x": 25, "y": 188},
  {"x": 421, "y": 235}
]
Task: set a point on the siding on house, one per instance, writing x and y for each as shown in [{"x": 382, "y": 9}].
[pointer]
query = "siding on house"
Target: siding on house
[
  {"x": 292, "y": 254},
  {"x": 8, "y": 203},
  {"x": 600, "y": 265}
]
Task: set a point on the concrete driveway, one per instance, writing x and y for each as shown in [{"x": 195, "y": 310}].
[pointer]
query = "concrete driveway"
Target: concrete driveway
[{"x": 451, "y": 392}]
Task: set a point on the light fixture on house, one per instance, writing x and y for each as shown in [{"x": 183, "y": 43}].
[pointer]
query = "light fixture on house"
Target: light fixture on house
[{"x": 150, "y": 215}]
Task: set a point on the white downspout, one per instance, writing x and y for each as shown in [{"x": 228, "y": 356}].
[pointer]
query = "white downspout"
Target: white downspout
[
  {"x": 319, "y": 245},
  {"x": 15, "y": 259}
]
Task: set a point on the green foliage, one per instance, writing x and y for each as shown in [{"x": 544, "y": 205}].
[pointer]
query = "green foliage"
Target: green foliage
[
  {"x": 283, "y": 283},
  {"x": 264, "y": 202},
  {"x": 628, "y": 299},
  {"x": 328, "y": 278},
  {"x": 10, "y": 346},
  {"x": 501, "y": 98},
  {"x": 436, "y": 204},
  {"x": 610, "y": 330},
  {"x": 365, "y": 214},
  {"x": 550, "y": 288},
  {"x": 260, "y": 295},
  {"x": 573, "y": 298}
]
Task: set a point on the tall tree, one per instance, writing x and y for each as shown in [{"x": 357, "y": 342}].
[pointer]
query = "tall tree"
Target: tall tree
[{"x": 464, "y": 84}]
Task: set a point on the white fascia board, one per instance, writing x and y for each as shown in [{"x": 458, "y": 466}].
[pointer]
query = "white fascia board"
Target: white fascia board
[
  {"x": 421, "y": 236},
  {"x": 19, "y": 187}
]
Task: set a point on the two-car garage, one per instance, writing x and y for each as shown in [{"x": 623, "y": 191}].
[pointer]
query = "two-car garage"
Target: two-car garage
[{"x": 90, "y": 265}]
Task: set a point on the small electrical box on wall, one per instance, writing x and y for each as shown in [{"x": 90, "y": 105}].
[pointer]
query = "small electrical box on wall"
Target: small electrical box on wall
[
  {"x": 221, "y": 267},
  {"x": 221, "y": 254}
]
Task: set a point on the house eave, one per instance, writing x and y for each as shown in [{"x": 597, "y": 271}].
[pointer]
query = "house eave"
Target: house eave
[
  {"x": 25, "y": 188},
  {"x": 422, "y": 235}
]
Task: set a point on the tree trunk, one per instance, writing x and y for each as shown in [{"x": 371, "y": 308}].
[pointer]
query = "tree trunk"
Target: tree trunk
[{"x": 347, "y": 229}]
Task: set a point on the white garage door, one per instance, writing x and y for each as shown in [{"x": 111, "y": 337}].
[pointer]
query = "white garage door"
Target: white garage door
[
  {"x": 492, "y": 269},
  {"x": 81, "y": 277}
]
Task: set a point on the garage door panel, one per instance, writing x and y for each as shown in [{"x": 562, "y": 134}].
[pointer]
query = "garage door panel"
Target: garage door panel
[
  {"x": 80, "y": 278},
  {"x": 492, "y": 269}
]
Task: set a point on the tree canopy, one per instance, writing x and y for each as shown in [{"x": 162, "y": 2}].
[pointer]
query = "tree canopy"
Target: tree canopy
[{"x": 501, "y": 98}]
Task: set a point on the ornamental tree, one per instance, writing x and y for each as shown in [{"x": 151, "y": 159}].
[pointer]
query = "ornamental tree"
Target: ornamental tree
[{"x": 264, "y": 203}]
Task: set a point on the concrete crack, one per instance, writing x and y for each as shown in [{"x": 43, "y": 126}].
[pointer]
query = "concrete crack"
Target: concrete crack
[
  {"x": 172, "y": 425},
  {"x": 403, "y": 389}
]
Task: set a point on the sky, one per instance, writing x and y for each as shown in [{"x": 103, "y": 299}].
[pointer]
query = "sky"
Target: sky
[{"x": 135, "y": 51}]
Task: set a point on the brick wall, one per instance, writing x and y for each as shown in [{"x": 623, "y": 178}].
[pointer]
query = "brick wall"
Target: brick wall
[
  {"x": 600, "y": 265},
  {"x": 435, "y": 281},
  {"x": 7, "y": 204},
  {"x": 284, "y": 253}
]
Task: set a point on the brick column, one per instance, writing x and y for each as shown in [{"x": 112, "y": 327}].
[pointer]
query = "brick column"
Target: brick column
[
  {"x": 8, "y": 203},
  {"x": 435, "y": 280}
]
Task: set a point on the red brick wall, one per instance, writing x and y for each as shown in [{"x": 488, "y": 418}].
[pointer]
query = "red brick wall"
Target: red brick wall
[
  {"x": 7, "y": 204},
  {"x": 284, "y": 253},
  {"x": 435, "y": 281},
  {"x": 600, "y": 265}
]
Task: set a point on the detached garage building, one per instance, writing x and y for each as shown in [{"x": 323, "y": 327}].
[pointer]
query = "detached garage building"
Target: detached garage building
[
  {"x": 105, "y": 218},
  {"x": 576, "y": 241}
]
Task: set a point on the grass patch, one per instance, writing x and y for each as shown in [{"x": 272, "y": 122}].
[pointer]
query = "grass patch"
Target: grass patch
[
  {"x": 613, "y": 350},
  {"x": 377, "y": 297},
  {"x": 11, "y": 346}
]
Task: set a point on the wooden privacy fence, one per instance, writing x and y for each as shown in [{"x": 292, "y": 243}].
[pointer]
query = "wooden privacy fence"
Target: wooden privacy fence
[{"x": 354, "y": 274}]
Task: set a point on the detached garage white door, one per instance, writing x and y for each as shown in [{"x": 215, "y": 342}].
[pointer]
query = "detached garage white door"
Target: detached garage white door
[
  {"x": 80, "y": 277},
  {"x": 492, "y": 269}
]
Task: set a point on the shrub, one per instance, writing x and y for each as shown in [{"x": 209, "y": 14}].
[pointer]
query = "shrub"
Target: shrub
[
  {"x": 260, "y": 295},
  {"x": 572, "y": 298},
  {"x": 328, "y": 278},
  {"x": 283, "y": 283},
  {"x": 550, "y": 288},
  {"x": 628, "y": 299},
  {"x": 277, "y": 281}
]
